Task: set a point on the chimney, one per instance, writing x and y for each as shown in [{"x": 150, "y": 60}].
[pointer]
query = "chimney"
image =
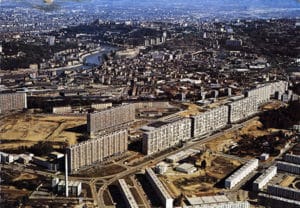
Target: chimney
[{"x": 66, "y": 176}]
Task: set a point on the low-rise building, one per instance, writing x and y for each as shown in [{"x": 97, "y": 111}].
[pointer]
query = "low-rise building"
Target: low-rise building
[{"x": 186, "y": 168}]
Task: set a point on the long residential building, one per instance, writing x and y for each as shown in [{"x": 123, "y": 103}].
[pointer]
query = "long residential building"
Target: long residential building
[
  {"x": 285, "y": 192},
  {"x": 109, "y": 118},
  {"x": 210, "y": 120},
  {"x": 279, "y": 86},
  {"x": 277, "y": 202},
  {"x": 97, "y": 150},
  {"x": 161, "y": 135},
  {"x": 161, "y": 191},
  {"x": 242, "y": 109},
  {"x": 12, "y": 101},
  {"x": 241, "y": 173},
  {"x": 262, "y": 93},
  {"x": 292, "y": 158},
  {"x": 288, "y": 167},
  {"x": 263, "y": 179},
  {"x": 127, "y": 195}
]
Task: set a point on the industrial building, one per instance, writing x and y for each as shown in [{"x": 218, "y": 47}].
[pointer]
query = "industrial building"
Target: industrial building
[
  {"x": 127, "y": 195},
  {"x": 101, "y": 106},
  {"x": 161, "y": 191},
  {"x": 218, "y": 201},
  {"x": 210, "y": 120},
  {"x": 277, "y": 202},
  {"x": 242, "y": 109},
  {"x": 181, "y": 155},
  {"x": 109, "y": 118},
  {"x": 161, "y": 168},
  {"x": 161, "y": 135},
  {"x": 284, "y": 192},
  {"x": 288, "y": 167},
  {"x": 263, "y": 179},
  {"x": 241, "y": 173},
  {"x": 12, "y": 101},
  {"x": 97, "y": 150},
  {"x": 292, "y": 158},
  {"x": 62, "y": 110},
  {"x": 186, "y": 168}
]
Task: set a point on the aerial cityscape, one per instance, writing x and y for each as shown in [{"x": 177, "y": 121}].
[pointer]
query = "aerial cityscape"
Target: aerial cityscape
[{"x": 150, "y": 104}]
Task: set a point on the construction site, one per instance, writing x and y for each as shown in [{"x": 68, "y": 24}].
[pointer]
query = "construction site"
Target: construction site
[
  {"x": 251, "y": 141},
  {"x": 207, "y": 180},
  {"x": 25, "y": 130}
]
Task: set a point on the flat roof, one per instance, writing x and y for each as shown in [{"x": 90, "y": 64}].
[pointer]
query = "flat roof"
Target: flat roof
[{"x": 157, "y": 124}]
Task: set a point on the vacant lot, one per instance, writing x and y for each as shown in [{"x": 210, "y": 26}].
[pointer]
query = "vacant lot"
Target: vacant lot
[
  {"x": 26, "y": 130},
  {"x": 204, "y": 181}
]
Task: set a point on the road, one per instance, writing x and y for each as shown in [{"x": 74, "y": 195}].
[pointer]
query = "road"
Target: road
[
  {"x": 108, "y": 180},
  {"x": 139, "y": 167}
]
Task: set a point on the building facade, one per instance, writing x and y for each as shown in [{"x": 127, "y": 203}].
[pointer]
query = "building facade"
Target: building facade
[
  {"x": 161, "y": 191},
  {"x": 241, "y": 173},
  {"x": 292, "y": 158},
  {"x": 284, "y": 192},
  {"x": 210, "y": 120},
  {"x": 97, "y": 150},
  {"x": 109, "y": 118},
  {"x": 262, "y": 180},
  {"x": 127, "y": 195},
  {"x": 288, "y": 167},
  {"x": 12, "y": 101},
  {"x": 262, "y": 94},
  {"x": 162, "y": 135},
  {"x": 242, "y": 109}
]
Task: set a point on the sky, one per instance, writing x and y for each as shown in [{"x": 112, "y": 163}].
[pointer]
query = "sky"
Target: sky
[{"x": 201, "y": 5}]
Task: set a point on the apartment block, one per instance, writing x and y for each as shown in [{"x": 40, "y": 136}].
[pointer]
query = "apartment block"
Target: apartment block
[
  {"x": 279, "y": 86},
  {"x": 242, "y": 109},
  {"x": 292, "y": 158},
  {"x": 284, "y": 192},
  {"x": 127, "y": 195},
  {"x": 96, "y": 150},
  {"x": 210, "y": 120},
  {"x": 288, "y": 167},
  {"x": 262, "y": 94},
  {"x": 161, "y": 135},
  {"x": 277, "y": 202},
  {"x": 241, "y": 173},
  {"x": 12, "y": 101},
  {"x": 161, "y": 191},
  {"x": 109, "y": 118},
  {"x": 263, "y": 179}
]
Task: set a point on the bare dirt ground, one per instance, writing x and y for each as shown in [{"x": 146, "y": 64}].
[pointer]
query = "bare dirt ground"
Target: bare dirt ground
[
  {"x": 253, "y": 129},
  {"x": 203, "y": 182},
  {"x": 26, "y": 130}
]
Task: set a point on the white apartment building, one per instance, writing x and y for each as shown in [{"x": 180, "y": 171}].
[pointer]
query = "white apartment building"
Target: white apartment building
[
  {"x": 161, "y": 135},
  {"x": 96, "y": 150},
  {"x": 163, "y": 194},
  {"x": 241, "y": 173},
  {"x": 210, "y": 120},
  {"x": 242, "y": 109},
  {"x": 263, "y": 179}
]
